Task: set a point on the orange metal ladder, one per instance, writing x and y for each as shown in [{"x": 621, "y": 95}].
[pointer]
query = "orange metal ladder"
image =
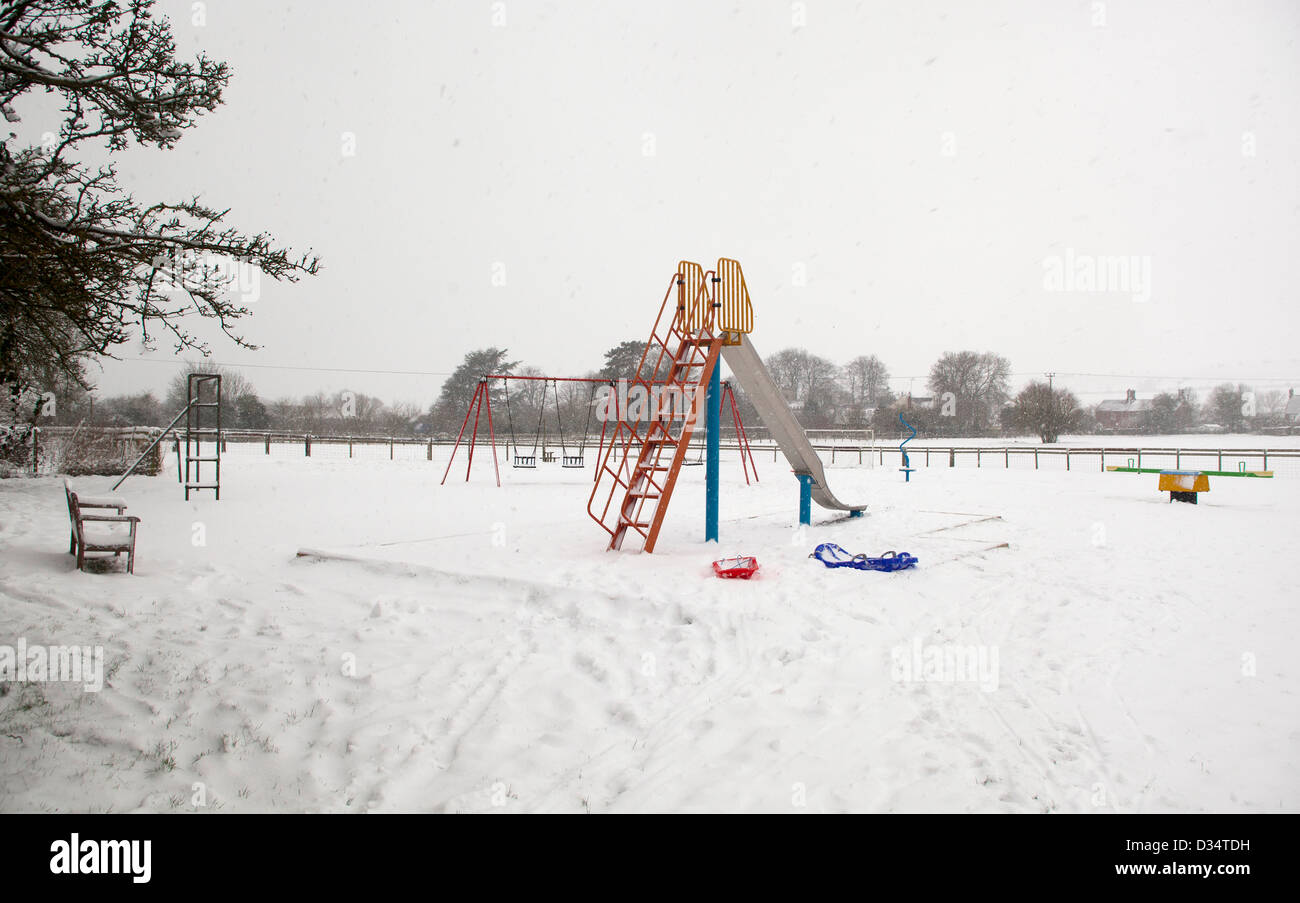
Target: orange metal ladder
[{"x": 636, "y": 476}]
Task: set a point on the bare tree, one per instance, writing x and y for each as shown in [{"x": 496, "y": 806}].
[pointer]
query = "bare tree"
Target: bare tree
[
  {"x": 234, "y": 385},
  {"x": 1045, "y": 411},
  {"x": 1225, "y": 405},
  {"x": 868, "y": 381},
  {"x": 1272, "y": 402},
  {"x": 799, "y": 374},
  {"x": 978, "y": 383},
  {"x": 84, "y": 261}
]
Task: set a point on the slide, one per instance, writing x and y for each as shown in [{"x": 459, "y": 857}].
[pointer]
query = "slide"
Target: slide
[{"x": 780, "y": 421}]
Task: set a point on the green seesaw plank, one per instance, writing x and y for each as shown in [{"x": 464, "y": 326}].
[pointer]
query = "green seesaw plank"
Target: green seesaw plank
[{"x": 1264, "y": 474}]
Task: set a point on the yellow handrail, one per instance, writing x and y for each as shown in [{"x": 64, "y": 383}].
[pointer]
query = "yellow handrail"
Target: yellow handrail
[
  {"x": 733, "y": 312},
  {"x": 693, "y": 312}
]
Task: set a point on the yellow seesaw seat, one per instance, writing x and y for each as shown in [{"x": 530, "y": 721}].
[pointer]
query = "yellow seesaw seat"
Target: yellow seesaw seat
[{"x": 1184, "y": 482}]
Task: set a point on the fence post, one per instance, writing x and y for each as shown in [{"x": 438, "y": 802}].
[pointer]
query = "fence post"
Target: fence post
[
  {"x": 1139, "y": 459},
  {"x": 306, "y": 444},
  {"x": 1266, "y": 459},
  {"x": 1220, "y": 460},
  {"x": 349, "y": 446},
  {"x": 268, "y": 443},
  {"x": 927, "y": 456},
  {"x": 390, "y": 449},
  {"x": 36, "y": 451},
  {"x": 952, "y": 457},
  {"x": 1035, "y": 458},
  {"x": 1067, "y": 459},
  {"x": 977, "y": 456},
  {"x": 1103, "y": 459},
  {"x": 430, "y": 452},
  {"x": 1006, "y": 458},
  {"x": 1178, "y": 459}
]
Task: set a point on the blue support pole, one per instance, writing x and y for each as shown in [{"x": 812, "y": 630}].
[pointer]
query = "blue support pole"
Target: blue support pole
[
  {"x": 805, "y": 497},
  {"x": 713, "y": 430},
  {"x": 907, "y": 467}
]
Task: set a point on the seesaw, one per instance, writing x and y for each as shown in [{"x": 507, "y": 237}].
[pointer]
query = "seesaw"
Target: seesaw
[{"x": 1183, "y": 485}]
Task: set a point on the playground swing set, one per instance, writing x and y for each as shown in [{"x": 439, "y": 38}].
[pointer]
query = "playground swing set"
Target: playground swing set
[
  {"x": 705, "y": 317},
  {"x": 539, "y": 436},
  {"x": 480, "y": 412}
]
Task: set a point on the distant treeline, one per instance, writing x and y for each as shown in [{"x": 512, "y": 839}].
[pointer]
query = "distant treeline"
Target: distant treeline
[{"x": 967, "y": 393}]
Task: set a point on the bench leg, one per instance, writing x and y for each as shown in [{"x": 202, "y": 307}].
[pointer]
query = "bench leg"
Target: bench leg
[{"x": 130, "y": 560}]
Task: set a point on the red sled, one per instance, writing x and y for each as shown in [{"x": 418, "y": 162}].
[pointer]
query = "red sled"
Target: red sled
[{"x": 742, "y": 568}]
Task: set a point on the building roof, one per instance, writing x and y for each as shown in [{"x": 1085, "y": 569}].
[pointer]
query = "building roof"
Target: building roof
[{"x": 1119, "y": 405}]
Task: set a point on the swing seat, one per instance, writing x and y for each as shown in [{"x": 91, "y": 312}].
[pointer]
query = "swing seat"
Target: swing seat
[
  {"x": 548, "y": 457},
  {"x": 572, "y": 461},
  {"x": 525, "y": 461}
]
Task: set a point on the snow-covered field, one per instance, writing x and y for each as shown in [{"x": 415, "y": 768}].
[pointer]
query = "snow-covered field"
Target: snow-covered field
[{"x": 486, "y": 654}]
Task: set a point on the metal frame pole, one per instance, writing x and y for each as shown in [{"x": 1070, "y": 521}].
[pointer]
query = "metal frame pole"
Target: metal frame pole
[{"x": 713, "y": 429}]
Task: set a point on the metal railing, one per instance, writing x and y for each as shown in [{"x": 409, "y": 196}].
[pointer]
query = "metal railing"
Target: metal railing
[{"x": 834, "y": 453}]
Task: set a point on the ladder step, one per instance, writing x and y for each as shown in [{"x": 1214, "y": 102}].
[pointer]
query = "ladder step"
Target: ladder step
[
  {"x": 643, "y": 495},
  {"x": 202, "y": 486},
  {"x": 188, "y": 458}
]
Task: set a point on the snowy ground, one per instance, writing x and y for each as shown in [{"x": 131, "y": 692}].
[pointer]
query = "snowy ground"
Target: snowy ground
[{"x": 488, "y": 655}]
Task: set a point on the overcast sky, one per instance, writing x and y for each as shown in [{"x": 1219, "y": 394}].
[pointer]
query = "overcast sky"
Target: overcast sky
[{"x": 896, "y": 179}]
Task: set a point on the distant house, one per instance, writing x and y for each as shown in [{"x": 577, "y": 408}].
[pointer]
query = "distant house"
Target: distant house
[
  {"x": 1132, "y": 413},
  {"x": 1292, "y": 412}
]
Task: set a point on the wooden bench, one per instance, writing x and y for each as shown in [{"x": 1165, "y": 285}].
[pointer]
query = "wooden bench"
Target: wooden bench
[{"x": 95, "y": 538}]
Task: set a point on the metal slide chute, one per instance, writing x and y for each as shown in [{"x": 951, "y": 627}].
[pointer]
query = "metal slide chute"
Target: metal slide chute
[{"x": 767, "y": 399}]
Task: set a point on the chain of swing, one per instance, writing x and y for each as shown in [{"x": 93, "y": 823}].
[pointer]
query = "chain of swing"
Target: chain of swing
[{"x": 539, "y": 434}]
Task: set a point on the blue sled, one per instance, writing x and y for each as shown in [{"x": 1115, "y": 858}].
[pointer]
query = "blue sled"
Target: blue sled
[{"x": 831, "y": 555}]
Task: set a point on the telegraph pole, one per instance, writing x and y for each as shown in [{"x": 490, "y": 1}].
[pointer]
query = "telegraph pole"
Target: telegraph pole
[{"x": 1051, "y": 399}]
